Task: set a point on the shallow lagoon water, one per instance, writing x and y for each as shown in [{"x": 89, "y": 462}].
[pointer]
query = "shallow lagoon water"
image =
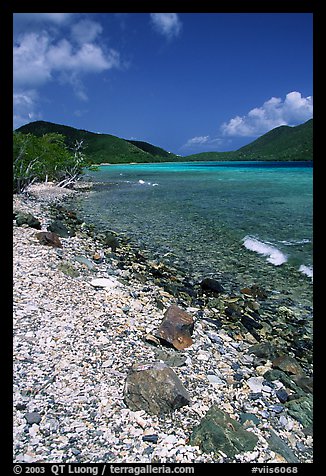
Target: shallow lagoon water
[{"x": 242, "y": 222}]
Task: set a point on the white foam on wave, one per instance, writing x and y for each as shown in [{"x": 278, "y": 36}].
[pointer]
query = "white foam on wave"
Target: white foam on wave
[
  {"x": 295, "y": 242},
  {"x": 307, "y": 270},
  {"x": 142, "y": 182},
  {"x": 274, "y": 255}
]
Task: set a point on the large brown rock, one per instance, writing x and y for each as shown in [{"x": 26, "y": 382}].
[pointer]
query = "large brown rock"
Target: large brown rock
[
  {"x": 176, "y": 328},
  {"x": 155, "y": 388},
  {"x": 49, "y": 238}
]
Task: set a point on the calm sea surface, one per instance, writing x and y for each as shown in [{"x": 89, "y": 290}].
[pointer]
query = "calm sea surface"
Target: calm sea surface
[{"x": 242, "y": 222}]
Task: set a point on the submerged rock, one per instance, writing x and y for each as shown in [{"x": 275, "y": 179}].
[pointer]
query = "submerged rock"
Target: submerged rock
[
  {"x": 176, "y": 328},
  {"x": 155, "y": 388},
  {"x": 217, "y": 431},
  {"x": 58, "y": 227},
  {"x": 211, "y": 285},
  {"x": 287, "y": 364}
]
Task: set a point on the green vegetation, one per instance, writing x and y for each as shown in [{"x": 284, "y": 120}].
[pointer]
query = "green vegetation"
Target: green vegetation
[
  {"x": 282, "y": 143},
  {"x": 46, "y": 158},
  {"x": 153, "y": 150},
  {"x": 100, "y": 148}
]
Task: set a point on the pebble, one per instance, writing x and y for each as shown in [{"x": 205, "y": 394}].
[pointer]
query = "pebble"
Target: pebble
[
  {"x": 75, "y": 339},
  {"x": 33, "y": 417}
]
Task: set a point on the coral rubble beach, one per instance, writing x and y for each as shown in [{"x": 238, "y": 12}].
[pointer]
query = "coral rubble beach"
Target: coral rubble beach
[{"x": 92, "y": 360}]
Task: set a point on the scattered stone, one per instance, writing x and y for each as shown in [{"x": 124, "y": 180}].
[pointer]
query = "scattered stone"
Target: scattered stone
[
  {"x": 155, "y": 388},
  {"x": 264, "y": 350},
  {"x": 306, "y": 383},
  {"x": 60, "y": 229},
  {"x": 111, "y": 241},
  {"x": 105, "y": 283},
  {"x": 49, "y": 238},
  {"x": 255, "y": 291},
  {"x": 86, "y": 262},
  {"x": 171, "y": 359},
  {"x": 27, "y": 219},
  {"x": 176, "y": 328},
  {"x": 73, "y": 346},
  {"x": 33, "y": 417},
  {"x": 215, "y": 379},
  {"x": 68, "y": 269},
  {"x": 211, "y": 285},
  {"x": 150, "y": 438},
  {"x": 276, "y": 444},
  {"x": 302, "y": 410},
  {"x": 152, "y": 339},
  {"x": 218, "y": 432},
  {"x": 256, "y": 384},
  {"x": 98, "y": 257},
  {"x": 244, "y": 417},
  {"x": 282, "y": 395},
  {"x": 287, "y": 364}
]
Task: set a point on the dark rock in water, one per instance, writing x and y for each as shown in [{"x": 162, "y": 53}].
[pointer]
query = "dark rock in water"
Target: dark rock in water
[
  {"x": 306, "y": 383},
  {"x": 218, "y": 432},
  {"x": 264, "y": 350},
  {"x": 277, "y": 445},
  {"x": 211, "y": 285},
  {"x": 60, "y": 229},
  {"x": 33, "y": 417},
  {"x": 282, "y": 395},
  {"x": 275, "y": 374},
  {"x": 287, "y": 364},
  {"x": 155, "y": 388},
  {"x": 255, "y": 291},
  {"x": 49, "y": 238},
  {"x": 302, "y": 410},
  {"x": 176, "y": 328},
  {"x": 250, "y": 323},
  {"x": 249, "y": 417},
  {"x": 27, "y": 219},
  {"x": 111, "y": 241}
]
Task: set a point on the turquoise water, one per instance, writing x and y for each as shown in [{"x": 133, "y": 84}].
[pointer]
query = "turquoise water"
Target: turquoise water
[{"x": 243, "y": 222}]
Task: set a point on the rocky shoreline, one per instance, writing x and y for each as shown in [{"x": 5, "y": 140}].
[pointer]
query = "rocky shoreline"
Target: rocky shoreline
[{"x": 121, "y": 359}]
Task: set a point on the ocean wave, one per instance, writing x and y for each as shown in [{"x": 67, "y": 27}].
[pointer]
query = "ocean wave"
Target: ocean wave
[
  {"x": 304, "y": 241},
  {"x": 307, "y": 270},
  {"x": 142, "y": 182},
  {"x": 274, "y": 255}
]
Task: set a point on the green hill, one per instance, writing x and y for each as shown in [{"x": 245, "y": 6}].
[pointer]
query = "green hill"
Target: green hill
[
  {"x": 153, "y": 149},
  {"x": 282, "y": 143},
  {"x": 101, "y": 147}
]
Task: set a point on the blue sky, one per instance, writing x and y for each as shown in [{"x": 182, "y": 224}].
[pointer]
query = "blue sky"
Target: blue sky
[{"x": 187, "y": 82}]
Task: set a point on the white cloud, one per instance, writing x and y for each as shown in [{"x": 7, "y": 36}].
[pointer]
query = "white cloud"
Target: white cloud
[
  {"x": 167, "y": 24},
  {"x": 39, "y": 57},
  {"x": 25, "y": 107},
  {"x": 207, "y": 141},
  {"x": 197, "y": 140},
  {"x": 86, "y": 31},
  {"x": 294, "y": 110}
]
